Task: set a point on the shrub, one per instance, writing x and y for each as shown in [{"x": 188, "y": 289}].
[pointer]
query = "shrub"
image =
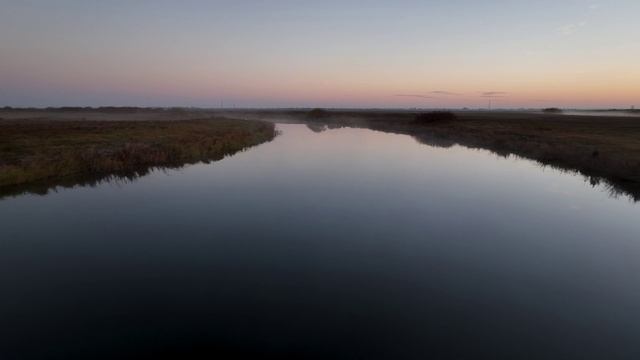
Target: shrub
[
  {"x": 435, "y": 117},
  {"x": 316, "y": 114},
  {"x": 552, "y": 110}
]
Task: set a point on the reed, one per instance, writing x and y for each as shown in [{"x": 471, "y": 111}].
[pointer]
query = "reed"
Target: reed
[{"x": 33, "y": 151}]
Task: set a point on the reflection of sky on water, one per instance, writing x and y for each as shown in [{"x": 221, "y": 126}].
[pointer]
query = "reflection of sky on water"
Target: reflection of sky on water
[{"x": 348, "y": 241}]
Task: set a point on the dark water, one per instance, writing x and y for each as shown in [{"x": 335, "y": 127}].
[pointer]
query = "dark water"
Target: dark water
[{"x": 342, "y": 244}]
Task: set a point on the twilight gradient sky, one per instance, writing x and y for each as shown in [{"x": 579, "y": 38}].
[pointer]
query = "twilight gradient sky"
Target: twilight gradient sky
[{"x": 332, "y": 53}]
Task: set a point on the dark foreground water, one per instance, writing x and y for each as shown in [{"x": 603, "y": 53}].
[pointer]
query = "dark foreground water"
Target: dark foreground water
[{"x": 342, "y": 244}]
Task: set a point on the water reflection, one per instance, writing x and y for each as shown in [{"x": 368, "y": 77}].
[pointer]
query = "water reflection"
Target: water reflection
[
  {"x": 612, "y": 186},
  {"x": 348, "y": 243},
  {"x": 44, "y": 187},
  {"x": 615, "y": 188},
  {"x": 88, "y": 180}
]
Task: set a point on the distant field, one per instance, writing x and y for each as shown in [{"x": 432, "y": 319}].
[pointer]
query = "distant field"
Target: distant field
[
  {"x": 38, "y": 154},
  {"x": 104, "y": 114}
]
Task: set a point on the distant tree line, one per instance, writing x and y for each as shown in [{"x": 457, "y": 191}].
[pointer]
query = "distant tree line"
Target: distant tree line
[
  {"x": 104, "y": 109},
  {"x": 435, "y": 117},
  {"x": 317, "y": 114}
]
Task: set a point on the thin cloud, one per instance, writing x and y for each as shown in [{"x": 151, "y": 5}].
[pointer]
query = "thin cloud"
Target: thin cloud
[
  {"x": 571, "y": 29},
  {"x": 442, "y": 92},
  {"x": 415, "y": 96},
  {"x": 594, "y": 6},
  {"x": 493, "y": 94}
]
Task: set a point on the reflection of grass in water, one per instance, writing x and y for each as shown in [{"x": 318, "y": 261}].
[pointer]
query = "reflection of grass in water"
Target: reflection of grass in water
[
  {"x": 36, "y": 155},
  {"x": 606, "y": 150},
  {"x": 618, "y": 171}
]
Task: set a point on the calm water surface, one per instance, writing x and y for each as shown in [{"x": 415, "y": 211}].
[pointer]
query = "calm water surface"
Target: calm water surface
[{"x": 348, "y": 243}]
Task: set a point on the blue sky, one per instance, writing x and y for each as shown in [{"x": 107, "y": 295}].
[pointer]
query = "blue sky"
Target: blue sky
[{"x": 573, "y": 53}]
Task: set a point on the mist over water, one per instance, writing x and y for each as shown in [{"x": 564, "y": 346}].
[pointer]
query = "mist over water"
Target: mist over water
[
  {"x": 342, "y": 243},
  {"x": 620, "y": 113}
]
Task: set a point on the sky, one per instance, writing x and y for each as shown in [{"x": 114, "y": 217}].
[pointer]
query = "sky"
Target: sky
[{"x": 332, "y": 53}]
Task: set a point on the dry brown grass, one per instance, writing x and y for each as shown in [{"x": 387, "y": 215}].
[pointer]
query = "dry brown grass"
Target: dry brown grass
[
  {"x": 599, "y": 147},
  {"x": 53, "y": 152}
]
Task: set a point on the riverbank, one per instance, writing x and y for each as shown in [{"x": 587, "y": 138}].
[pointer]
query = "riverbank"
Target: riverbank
[
  {"x": 37, "y": 154},
  {"x": 602, "y": 148}
]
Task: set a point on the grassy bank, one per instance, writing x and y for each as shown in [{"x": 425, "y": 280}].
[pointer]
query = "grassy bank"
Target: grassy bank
[
  {"x": 38, "y": 154},
  {"x": 599, "y": 147},
  {"x": 72, "y": 145}
]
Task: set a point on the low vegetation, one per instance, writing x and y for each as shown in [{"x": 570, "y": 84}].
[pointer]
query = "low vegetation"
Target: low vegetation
[
  {"x": 435, "y": 117},
  {"x": 599, "y": 147},
  {"x": 552, "y": 110},
  {"x": 317, "y": 114},
  {"x": 55, "y": 152}
]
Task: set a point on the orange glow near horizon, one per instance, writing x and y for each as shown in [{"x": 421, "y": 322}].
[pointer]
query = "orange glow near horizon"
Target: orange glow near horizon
[{"x": 303, "y": 56}]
